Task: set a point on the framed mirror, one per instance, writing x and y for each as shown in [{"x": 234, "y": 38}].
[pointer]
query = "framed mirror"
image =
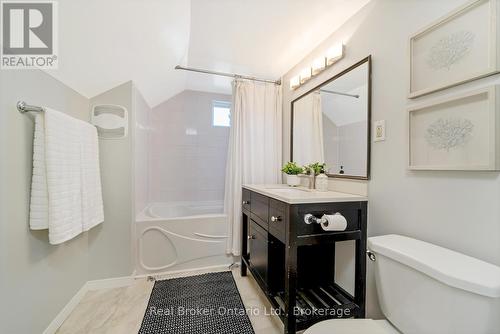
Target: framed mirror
[{"x": 331, "y": 124}]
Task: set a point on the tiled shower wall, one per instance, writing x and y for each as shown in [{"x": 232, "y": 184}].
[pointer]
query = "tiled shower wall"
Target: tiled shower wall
[{"x": 188, "y": 154}]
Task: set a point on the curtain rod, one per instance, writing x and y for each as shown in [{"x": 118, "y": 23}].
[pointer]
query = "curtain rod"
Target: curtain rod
[
  {"x": 339, "y": 93},
  {"x": 231, "y": 75}
]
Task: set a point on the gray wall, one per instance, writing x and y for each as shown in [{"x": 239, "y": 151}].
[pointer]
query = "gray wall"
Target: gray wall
[
  {"x": 458, "y": 210},
  {"x": 36, "y": 278},
  {"x": 110, "y": 243}
]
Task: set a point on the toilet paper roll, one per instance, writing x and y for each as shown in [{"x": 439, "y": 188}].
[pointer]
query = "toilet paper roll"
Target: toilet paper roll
[{"x": 335, "y": 222}]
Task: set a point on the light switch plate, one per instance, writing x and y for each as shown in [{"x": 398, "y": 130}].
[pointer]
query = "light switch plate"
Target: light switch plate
[{"x": 379, "y": 130}]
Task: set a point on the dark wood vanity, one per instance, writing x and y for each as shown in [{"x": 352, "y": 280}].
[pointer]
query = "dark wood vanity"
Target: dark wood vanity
[{"x": 294, "y": 262}]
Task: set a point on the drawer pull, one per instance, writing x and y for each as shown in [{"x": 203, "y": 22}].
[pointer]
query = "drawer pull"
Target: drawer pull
[
  {"x": 275, "y": 219},
  {"x": 251, "y": 237},
  {"x": 246, "y": 202},
  {"x": 371, "y": 256}
]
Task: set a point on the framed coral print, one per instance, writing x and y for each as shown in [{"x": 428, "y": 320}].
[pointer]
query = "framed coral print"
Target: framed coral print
[
  {"x": 460, "y": 47},
  {"x": 458, "y": 133}
]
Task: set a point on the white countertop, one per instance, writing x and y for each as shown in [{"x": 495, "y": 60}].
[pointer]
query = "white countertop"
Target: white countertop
[{"x": 301, "y": 195}]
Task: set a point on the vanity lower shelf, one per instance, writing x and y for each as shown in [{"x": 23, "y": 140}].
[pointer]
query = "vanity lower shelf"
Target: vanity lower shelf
[
  {"x": 322, "y": 302},
  {"x": 318, "y": 304}
]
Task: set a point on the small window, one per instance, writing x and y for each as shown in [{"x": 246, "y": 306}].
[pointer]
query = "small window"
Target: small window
[{"x": 221, "y": 113}]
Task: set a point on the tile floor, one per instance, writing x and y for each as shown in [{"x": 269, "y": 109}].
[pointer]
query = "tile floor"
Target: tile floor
[{"x": 120, "y": 310}]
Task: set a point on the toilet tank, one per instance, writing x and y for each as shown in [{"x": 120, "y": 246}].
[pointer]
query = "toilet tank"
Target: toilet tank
[{"x": 426, "y": 289}]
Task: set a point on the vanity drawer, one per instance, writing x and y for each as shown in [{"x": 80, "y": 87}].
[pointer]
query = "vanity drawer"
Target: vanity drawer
[
  {"x": 350, "y": 210},
  {"x": 245, "y": 196},
  {"x": 259, "y": 206},
  {"x": 277, "y": 219}
]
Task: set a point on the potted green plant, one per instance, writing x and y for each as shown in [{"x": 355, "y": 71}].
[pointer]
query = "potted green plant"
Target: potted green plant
[
  {"x": 318, "y": 180},
  {"x": 317, "y": 167},
  {"x": 292, "y": 170}
]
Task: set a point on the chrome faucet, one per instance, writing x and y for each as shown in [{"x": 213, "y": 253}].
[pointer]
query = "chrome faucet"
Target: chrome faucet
[{"x": 312, "y": 178}]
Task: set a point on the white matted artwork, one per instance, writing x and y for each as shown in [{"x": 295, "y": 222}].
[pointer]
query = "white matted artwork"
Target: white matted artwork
[
  {"x": 460, "y": 47},
  {"x": 458, "y": 133}
]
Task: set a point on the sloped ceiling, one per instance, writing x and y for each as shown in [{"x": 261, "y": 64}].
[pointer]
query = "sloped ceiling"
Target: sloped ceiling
[
  {"x": 103, "y": 43},
  {"x": 263, "y": 38}
]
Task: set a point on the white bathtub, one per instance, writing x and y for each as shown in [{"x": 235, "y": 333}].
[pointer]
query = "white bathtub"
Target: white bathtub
[{"x": 181, "y": 236}]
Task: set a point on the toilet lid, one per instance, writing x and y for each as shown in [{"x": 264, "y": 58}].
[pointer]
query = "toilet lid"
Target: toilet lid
[{"x": 352, "y": 326}]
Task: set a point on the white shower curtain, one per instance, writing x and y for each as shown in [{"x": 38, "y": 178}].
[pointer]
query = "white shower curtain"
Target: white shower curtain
[
  {"x": 254, "y": 153},
  {"x": 308, "y": 137}
]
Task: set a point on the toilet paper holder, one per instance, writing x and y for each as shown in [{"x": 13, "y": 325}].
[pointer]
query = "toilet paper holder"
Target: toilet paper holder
[{"x": 312, "y": 219}]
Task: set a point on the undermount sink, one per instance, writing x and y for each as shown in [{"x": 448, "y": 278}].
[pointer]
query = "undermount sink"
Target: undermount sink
[{"x": 286, "y": 188}]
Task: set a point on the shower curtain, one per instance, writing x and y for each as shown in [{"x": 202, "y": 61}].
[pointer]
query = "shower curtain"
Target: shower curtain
[
  {"x": 254, "y": 153},
  {"x": 308, "y": 137}
]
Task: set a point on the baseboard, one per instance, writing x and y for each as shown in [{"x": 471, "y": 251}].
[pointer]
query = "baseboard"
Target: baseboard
[
  {"x": 66, "y": 311},
  {"x": 108, "y": 283},
  {"x": 185, "y": 271}
]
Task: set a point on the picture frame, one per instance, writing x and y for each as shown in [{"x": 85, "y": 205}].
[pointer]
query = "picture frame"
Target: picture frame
[
  {"x": 456, "y": 49},
  {"x": 461, "y": 132}
]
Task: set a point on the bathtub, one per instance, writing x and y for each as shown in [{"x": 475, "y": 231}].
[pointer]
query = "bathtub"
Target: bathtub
[{"x": 181, "y": 236}]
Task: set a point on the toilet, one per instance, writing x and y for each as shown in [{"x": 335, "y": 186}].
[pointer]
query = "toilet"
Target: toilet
[{"x": 426, "y": 289}]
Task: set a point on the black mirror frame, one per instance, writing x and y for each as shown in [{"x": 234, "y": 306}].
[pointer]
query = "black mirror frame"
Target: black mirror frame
[{"x": 369, "y": 116}]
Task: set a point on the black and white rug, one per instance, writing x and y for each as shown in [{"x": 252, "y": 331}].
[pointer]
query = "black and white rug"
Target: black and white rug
[{"x": 204, "y": 304}]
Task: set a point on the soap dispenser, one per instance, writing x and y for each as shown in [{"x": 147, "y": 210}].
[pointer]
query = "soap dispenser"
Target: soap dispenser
[{"x": 322, "y": 182}]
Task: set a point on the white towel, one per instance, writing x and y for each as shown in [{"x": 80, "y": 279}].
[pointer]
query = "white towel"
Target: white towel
[
  {"x": 66, "y": 193},
  {"x": 39, "y": 204},
  {"x": 92, "y": 207}
]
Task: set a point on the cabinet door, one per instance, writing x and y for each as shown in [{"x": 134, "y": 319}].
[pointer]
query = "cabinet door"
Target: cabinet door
[{"x": 258, "y": 250}]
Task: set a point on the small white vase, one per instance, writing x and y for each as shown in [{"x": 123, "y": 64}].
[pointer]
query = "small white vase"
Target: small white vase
[
  {"x": 322, "y": 182},
  {"x": 293, "y": 180}
]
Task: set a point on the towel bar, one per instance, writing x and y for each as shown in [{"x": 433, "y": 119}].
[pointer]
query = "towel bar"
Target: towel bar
[{"x": 23, "y": 107}]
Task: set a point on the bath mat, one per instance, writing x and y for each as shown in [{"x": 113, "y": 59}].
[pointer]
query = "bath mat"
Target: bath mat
[{"x": 204, "y": 304}]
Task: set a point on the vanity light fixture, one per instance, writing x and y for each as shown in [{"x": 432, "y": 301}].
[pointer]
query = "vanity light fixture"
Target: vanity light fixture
[
  {"x": 295, "y": 82},
  {"x": 305, "y": 75},
  {"x": 334, "y": 54},
  {"x": 318, "y": 65}
]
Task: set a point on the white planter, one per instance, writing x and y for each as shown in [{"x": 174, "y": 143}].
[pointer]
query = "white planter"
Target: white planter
[{"x": 293, "y": 180}]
